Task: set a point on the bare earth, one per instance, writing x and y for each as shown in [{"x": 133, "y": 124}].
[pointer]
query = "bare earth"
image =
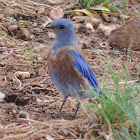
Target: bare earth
[{"x": 25, "y": 112}]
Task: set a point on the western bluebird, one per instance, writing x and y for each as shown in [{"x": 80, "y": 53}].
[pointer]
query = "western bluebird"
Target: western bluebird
[{"x": 67, "y": 66}]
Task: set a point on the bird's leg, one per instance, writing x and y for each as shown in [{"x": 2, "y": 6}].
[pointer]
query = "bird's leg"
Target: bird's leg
[
  {"x": 77, "y": 108},
  {"x": 65, "y": 99}
]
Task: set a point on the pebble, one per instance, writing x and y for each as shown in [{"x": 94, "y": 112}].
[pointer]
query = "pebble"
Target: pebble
[
  {"x": 56, "y": 13},
  {"x": 34, "y": 25},
  {"x": 89, "y": 26},
  {"x": 22, "y": 74},
  {"x": 106, "y": 30},
  {"x": 2, "y": 96},
  {"x": 27, "y": 34},
  {"x": 12, "y": 28}
]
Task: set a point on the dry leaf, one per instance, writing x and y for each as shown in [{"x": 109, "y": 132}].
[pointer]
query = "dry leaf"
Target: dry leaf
[
  {"x": 100, "y": 8},
  {"x": 85, "y": 11}
]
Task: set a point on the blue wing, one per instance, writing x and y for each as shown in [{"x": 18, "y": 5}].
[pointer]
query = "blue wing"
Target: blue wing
[{"x": 84, "y": 68}]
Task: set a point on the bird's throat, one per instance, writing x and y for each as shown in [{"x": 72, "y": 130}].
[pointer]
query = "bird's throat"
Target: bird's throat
[{"x": 63, "y": 42}]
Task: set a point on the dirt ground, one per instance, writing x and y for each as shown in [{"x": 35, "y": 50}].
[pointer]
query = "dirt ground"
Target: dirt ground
[{"x": 25, "y": 112}]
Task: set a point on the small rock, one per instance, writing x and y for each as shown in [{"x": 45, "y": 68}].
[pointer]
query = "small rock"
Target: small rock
[
  {"x": 13, "y": 28},
  {"x": 106, "y": 30},
  {"x": 125, "y": 35},
  {"x": 89, "y": 26},
  {"x": 27, "y": 34},
  {"x": 2, "y": 96},
  {"x": 56, "y": 13},
  {"x": 22, "y": 75},
  {"x": 41, "y": 10},
  {"x": 35, "y": 25}
]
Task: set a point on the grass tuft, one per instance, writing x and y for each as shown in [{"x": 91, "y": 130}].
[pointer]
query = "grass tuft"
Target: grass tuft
[
  {"x": 85, "y": 4},
  {"x": 121, "y": 110}
]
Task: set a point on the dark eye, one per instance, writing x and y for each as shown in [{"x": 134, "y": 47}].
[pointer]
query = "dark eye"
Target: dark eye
[{"x": 62, "y": 26}]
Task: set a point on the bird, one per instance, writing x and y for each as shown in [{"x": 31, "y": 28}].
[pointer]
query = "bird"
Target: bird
[{"x": 68, "y": 68}]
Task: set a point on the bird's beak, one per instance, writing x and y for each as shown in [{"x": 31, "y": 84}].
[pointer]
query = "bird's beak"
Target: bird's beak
[{"x": 49, "y": 26}]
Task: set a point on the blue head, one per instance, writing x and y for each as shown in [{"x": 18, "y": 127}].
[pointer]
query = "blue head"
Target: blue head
[{"x": 65, "y": 34}]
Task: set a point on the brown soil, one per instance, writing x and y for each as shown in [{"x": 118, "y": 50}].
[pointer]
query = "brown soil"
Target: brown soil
[{"x": 25, "y": 112}]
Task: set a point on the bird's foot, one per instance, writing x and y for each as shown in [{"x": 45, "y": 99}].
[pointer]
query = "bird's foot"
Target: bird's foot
[
  {"x": 70, "y": 118},
  {"x": 53, "y": 115}
]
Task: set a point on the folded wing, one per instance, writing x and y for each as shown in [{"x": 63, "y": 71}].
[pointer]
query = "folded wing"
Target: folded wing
[{"x": 84, "y": 68}]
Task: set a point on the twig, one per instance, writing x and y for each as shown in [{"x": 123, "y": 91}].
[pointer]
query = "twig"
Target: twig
[
  {"x": 18, "y": 81},
  {"x": 22, "y": 119},
  {"x": 40, "y": 4},
  {"x": 47, "y": 22},
  {"x": 129, "y": 82},
  {"x": 17, "y": 136},
  {"x": 73, "y": 133},
  {"x": 29, "y": 121}
]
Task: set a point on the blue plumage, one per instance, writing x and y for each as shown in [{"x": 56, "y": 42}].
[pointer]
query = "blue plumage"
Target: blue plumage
[
  {"x": 84, "y": 68},
  {"x": 67, "y": 66}
]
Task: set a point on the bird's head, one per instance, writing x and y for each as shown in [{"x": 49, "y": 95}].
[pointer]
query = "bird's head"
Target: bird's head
[
  {"x": 64, "y": 31},
  {"x": 62, "y": 27}
]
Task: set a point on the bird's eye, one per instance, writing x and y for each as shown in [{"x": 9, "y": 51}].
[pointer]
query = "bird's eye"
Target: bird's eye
[{"x": 62, "y": 26}]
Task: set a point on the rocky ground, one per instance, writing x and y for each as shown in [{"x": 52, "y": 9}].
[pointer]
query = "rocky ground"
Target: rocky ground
[{"x": 24, "y": 44}]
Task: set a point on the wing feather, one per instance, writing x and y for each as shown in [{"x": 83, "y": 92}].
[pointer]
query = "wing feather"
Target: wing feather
[{"x": 83, "y": 67}]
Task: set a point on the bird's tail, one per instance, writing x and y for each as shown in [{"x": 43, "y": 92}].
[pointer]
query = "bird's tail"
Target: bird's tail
[{"x": 100, "y": 94}]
